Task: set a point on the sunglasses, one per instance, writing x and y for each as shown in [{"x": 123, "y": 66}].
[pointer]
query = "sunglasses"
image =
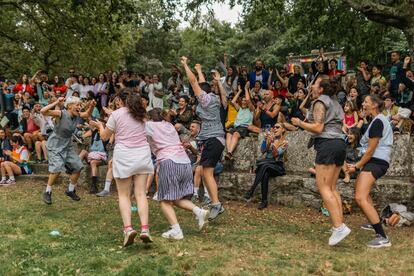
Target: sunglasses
[{"x": 277, "y": 127}]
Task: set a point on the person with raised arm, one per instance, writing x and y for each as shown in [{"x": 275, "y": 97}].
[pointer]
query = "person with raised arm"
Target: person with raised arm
[
  {"x": 211, "y": 137},
  {"x": 62, "y": 154}
]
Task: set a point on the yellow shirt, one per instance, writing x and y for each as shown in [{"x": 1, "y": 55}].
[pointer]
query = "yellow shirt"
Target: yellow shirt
[{"x": 231, "y": 115}]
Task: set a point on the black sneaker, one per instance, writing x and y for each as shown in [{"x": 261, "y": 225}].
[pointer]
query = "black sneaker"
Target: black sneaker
[
  {"x": 73, "y": 195},
  {"x": 47, "y": 198},
  {"x": 94, "y": 189},
  {"x": 262, "y": 205}
]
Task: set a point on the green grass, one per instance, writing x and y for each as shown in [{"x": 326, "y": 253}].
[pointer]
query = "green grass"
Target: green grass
[{"x": 244, "y": 241}]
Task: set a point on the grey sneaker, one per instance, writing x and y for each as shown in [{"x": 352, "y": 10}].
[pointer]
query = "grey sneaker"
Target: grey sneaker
[
  {"x": 367, "y": 227},
  {"x": 103, "y": 193},
  {"x": 379, "y": 242},
  {"x": 145, "y": 236},
  {"x": 195, "y": 198},
  {"x": 129, "y": 237},
  {"x": 215, "y": 211},
  {"x": 206, "y": 202}
]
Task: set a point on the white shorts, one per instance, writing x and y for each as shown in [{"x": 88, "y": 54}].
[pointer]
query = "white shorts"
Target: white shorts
[{"x": 127, "y": 161}]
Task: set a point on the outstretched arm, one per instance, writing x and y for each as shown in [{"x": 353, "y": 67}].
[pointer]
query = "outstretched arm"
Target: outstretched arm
[
  {"x": 223, "y": 94},
  {"x": 88, "y": 112},
  {"x": 49, "y": 109},
  {"x": 191, "y": 77}
]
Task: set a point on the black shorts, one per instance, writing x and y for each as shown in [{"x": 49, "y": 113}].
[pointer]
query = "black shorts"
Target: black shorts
[
  {"x": 211, "y": 152},
  {"x": 243, "y": 131},
  {"x": 377, "y": 167},
  {"x": 330, "y": 151}
]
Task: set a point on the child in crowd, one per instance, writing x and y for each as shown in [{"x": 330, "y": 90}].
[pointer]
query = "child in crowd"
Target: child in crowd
[
  {"x": 350, "y": 116},
  {"x": 18, "y": 164},
  {"x": 352, "y": 153}
]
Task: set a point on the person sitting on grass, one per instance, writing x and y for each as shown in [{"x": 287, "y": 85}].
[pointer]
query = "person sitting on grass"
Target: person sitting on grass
[
  {"x": 18, "y": 165},
  {"x": 273, "y": 147},
  {"x": 243, "y": 120}
]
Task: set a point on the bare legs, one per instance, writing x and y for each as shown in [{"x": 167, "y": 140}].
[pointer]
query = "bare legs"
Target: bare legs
[
  {"x": 211, "y": 184},
  {"x": 363, "y": 187},
  {"x": 326, "y": 178}
]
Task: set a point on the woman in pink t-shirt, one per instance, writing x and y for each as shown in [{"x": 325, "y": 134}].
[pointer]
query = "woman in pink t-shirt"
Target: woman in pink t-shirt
[
  {"x": 131, "y": 160},
  {"x": 175, "y": 175}
]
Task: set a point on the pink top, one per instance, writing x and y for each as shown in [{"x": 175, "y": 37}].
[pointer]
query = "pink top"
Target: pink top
[
  {"x": 165, "y": 143},
  {"x": 128, "y": 131},
  {"x": 349, "y": 119}
]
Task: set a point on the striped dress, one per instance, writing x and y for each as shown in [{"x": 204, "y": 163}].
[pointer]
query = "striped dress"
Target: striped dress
[{"x": 175, "y": 176}]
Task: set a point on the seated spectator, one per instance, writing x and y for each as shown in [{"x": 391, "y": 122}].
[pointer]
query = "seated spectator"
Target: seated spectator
[
  {"x": 278, "y": 89},
  {"x": 376, "y": 74},
  {"x": 273, "y": 148},
  {"x": 231, "y": 113},
  {"x": 353, "y": 96},
  {"x": 241, "y": 125},
  {"x": 183, "y": 115},
  {"x": 257, "y": 91},
  {"x": 18, "y": 164},
  {"x": 405, "y": 96},
  {"x": 350, "y": 116},
  {"x": 352, "y": 153},
  {"x": 85, "y": 87},
  {"x": 97, "y": 156},
  {"x": 300, "y": 106},
  {"x": 395, "y": 114},
  {"x": 266, "y": 114},
  {"x": 30, "y": 128},
  {"x": 5, "y": 145}
]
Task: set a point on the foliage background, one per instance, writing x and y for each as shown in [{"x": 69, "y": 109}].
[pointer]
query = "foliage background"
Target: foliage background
[{"x": 145, "y": 35}]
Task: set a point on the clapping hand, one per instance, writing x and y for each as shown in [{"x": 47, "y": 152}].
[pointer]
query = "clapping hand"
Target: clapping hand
[
  {"x": 97, "y": 124},
  {"x": 108, "y": 111},
  {"x": 217, "y": 76}
]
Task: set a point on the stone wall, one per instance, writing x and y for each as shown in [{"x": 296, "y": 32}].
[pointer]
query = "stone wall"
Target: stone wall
[{"x": 298, "y": 187}]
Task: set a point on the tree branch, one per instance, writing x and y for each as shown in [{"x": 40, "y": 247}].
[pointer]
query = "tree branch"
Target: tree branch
[{"x": 381, "y": 13}]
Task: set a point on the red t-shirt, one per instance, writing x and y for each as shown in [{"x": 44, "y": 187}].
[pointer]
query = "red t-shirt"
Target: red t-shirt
[
  {"x": 281, "y": 91},
  {"x": 335, "y": 72},
  {"x": 23, "y": 87},
  {"x": 62, "y": 89}
]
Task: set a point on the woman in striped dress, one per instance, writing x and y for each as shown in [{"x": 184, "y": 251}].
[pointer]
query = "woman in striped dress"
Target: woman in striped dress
[{"x": 175, "y": 176}]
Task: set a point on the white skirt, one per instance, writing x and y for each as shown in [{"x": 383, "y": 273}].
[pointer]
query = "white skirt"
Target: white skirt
[{"x": 127, "y": 161}]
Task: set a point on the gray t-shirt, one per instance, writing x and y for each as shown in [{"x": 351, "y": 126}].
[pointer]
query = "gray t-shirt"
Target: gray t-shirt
[{"x": 208, "y": 110}]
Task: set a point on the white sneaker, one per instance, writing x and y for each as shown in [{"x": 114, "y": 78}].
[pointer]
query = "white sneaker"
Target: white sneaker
[
  {"x": 2, "y": 182},
  {"x": 203, "y": 218},
  {"x": 173, "y": 234},
  {"x": 339, "y": 234},
  {"x": 155, "y": 197}
]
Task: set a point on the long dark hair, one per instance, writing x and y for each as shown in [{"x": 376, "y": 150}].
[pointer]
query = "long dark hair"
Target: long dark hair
[{"x": 133, "y": 102}]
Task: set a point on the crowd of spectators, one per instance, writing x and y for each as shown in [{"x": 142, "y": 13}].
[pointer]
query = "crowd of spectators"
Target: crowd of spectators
[{"x": 252, "y": 101}]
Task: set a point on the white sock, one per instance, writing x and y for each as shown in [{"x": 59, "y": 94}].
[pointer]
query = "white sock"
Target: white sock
[
  {"x": 340, "y": 228},
  {"x": 71, "y": 187},
  {"x": 197, "y": 211},
  {"x": 196, "y": 190},
  {"x": 206, "y": 192},
  {"x": 107, "y": 185},
  {"x": 3, "y": 178},
  {"x": 48, "y": 189},
  {"x": 12, "y": 177},
  {"x": 176, "y": 227}
]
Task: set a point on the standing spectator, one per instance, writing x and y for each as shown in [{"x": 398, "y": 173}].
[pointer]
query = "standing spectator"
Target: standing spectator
[
  {"x": 333, "y": 68},
  {"x": 59, "y": 86},
  {"x": 363, "y": 76},
  {"x": 73, "y": 86},
  {"x": 85, "y": 87},
  {"x": 101, "y": 91},
  {"x": 260, "y": 74},
  {"x": 376, "y": 74},
  {"x": 24, "y": 86},
  {"x": 113, "y": 85},
  {"x": 295, "y": 78},
  {"x": 175, "y": 80},
  {"x": 155, "y": 92},
  {"x": 396, "y": 74},
  {"x": 71, "y": 74}
]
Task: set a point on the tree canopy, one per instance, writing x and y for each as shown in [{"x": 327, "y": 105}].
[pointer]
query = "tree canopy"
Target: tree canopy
[{"x": 146, "y": 36}]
